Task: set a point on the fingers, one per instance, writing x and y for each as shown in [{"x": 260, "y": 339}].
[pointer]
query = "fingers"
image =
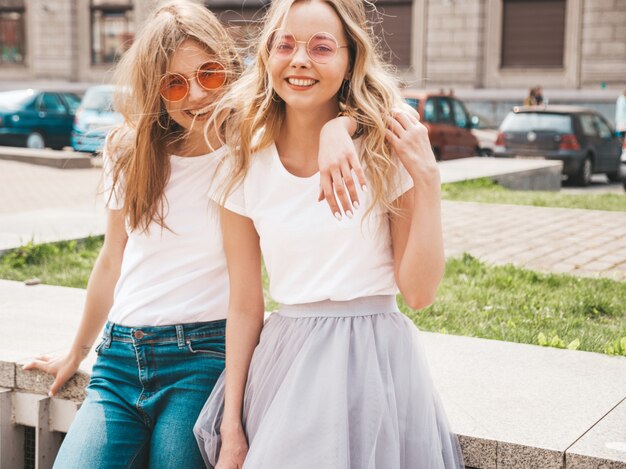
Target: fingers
[
  {"x": 58, "y": 384},
  {"x": 395, "y": 126},
  {"x": 327, "y": 193},
  {"x": 409, "y": 110},
  {"x": 360, "y": 174},
  {"x": 40, "y": 363},
  {"x": 342, "y": 194}
]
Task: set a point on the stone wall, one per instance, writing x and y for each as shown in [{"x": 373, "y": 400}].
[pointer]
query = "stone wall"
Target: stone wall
[
  {"x": 603, "y": 54},
  {"x": 454, "y": 43},
  {"x": 52, "y": 49}
]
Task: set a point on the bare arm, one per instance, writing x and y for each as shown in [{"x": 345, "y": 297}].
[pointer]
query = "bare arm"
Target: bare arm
[
  {"x": 243, "y": 328},
  {"x": 99, "y": 300},
  {"x": 416, "y": 231}
]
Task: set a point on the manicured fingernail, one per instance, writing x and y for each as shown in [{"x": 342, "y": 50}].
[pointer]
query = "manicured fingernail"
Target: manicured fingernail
[
  {"x": 50, "y": 394},
  {"x": 356, "y": 204},
  {"x": 349, "y": 213},
  {"x": 364, "y": 187},
  {"x": 338, "y": 216}
]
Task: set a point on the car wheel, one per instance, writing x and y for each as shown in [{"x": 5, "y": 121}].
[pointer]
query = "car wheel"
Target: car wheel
[
  {"x": 35, "y": 140},
  {"x": 615, "y": 176},
  {"x": 583, "y": 177}
]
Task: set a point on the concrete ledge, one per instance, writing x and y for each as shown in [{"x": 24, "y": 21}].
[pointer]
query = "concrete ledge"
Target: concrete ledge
[
  {"x": 515, "y": 174},
  {"x": 512, "y": 405},
  {"x": 54, "y": 158}
]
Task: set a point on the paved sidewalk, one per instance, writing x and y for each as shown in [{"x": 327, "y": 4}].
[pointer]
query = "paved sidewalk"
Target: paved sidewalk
[
  {"x": 581, "y": 242},
  {"x": 48, "y": 204}
]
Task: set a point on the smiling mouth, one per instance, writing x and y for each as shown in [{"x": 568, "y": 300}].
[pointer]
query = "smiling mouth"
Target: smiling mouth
[
  {"x": 195, "y": 113},
  {"x": 301, "y": 82}
]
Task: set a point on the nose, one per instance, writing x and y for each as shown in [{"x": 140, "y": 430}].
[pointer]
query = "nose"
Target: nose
[
  {"x": 196, "y": 92},
  {"x": 300, "y": 56}
]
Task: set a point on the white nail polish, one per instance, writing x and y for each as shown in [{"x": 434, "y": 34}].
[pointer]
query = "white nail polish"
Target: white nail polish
[
  {"x": 356, "y": 204},
  {"x": 349, "y": 213},
  {"x": 364, "y": 187},
  {"x": 338, "y": 216}
]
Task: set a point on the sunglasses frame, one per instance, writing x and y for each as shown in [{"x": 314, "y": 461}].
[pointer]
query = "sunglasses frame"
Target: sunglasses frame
[
  {"x": 308, "y": 53},
  {"x": 195, "y": 76}
]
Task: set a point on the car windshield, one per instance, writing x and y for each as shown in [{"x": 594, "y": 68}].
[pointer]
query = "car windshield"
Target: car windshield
[
  {"x": 72, "y": 100},
  {"x": 13, "y": 100},
  {"x": 537, "y": 122},
  {"x": 98, "y": 100}
]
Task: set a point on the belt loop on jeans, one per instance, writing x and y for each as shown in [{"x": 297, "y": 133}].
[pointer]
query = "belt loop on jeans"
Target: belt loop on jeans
[
  {"x": 108, "y": 328},
  {"x": 180, "y": 336}
]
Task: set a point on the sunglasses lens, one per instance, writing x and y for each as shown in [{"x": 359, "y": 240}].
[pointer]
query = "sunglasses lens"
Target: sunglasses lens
[
  {"x": 322, "y": 47},
  {"x": 282, "y": 44},
  {"x": 211, "y": 75},
  {"x": 174, "y": 87}
]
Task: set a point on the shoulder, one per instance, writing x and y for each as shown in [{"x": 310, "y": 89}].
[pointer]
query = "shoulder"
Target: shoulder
[
  {"x": 118, "y": 144},
  {"x": 262, "y": 161}
]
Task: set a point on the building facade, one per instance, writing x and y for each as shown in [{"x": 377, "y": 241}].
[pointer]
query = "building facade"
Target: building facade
[{"x": 471, "y": 44}]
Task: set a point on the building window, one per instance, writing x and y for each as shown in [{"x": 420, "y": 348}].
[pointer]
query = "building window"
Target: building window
[
  {"x": 12, "y": 32},
  {"x": 112, "y": 30},
  {"x": 533, "y": 33},
  {"x": 392, "y": 27}
]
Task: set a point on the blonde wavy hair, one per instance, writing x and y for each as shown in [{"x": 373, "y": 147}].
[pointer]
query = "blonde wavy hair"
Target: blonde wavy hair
[
  {"x": 256, "y": 112},
  {"x": 140, "y": 147}
]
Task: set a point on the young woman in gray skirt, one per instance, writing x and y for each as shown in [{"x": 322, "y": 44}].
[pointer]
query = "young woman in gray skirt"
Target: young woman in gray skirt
[{"x": 336, "y": 379}]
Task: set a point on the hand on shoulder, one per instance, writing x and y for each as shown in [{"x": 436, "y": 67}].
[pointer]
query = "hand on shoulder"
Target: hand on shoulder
[{"x": 409, "y": 141}]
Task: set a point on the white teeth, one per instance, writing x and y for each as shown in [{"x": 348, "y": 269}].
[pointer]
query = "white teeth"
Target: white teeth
[
  {"x": 300, "y": 82},
  {"x": 197, "y": 112}
]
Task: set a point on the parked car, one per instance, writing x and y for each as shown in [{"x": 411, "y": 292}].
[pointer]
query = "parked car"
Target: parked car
[
  {"x": 448, "y": 122},
  {"x": 581, "y": 138},
  {"x": 37, "y": 118},
  {"x": 94, "y": 119},
  {"x": 486, "y": 132}
]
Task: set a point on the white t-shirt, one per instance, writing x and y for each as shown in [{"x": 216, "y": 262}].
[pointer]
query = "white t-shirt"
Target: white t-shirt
[
  {"x": 178, "y": 276},
  {"x": 309, "y": 254}
]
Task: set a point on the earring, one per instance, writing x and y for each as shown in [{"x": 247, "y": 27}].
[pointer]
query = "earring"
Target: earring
[
  {"x": 276, "y": 98},
  {"x": 344, "y": 92}
]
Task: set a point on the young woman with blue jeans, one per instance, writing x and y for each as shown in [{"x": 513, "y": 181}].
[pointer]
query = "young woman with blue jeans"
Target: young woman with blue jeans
[{"x": 160, "y": 282}]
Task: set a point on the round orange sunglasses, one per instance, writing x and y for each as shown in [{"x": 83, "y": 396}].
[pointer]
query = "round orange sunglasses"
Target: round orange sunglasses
[{"x": 175, "y": 86}]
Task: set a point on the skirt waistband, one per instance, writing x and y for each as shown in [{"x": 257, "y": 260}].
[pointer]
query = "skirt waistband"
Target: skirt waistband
[{"x": 364, "y": 306}]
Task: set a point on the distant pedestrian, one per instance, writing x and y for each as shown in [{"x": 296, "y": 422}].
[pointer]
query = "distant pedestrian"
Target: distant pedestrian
[
  {"x": 535, "y": 97},
  {"x": 539, "y": 96},
  {"x": 620, "y": 114}
]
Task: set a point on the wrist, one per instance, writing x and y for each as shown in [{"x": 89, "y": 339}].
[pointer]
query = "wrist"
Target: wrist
[
  {"x": 230, "y": 429},
  {"x": 426, "y": 177},
  {"x": 79, "y": 352}
]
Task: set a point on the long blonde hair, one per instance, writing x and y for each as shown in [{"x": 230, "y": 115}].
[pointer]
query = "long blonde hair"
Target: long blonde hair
[
  {"x": 256, "y": 115},
  {"x": 140, "y": 148}
]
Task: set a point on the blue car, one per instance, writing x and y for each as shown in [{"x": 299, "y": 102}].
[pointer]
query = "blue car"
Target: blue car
[
  {"x": 94, "y": 119},
  {"x": 37, "y": 118}
]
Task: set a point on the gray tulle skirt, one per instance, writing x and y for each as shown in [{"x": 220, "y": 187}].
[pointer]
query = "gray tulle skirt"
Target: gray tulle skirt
[{"x": 337, "y": 385}]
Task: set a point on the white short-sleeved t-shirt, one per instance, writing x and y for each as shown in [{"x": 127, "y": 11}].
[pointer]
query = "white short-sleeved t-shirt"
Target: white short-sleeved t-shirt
[
  {"x": 309, "y": 254},
  {"x": 178, "y": 276}
]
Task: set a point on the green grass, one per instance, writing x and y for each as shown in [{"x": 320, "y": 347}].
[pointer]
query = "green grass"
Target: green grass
[
  {"x": 486, "y": 191},
  {"x": 521, "y": 305},
  {"x": 66, "y": 263},
  {"x": 475, "y": 299}
]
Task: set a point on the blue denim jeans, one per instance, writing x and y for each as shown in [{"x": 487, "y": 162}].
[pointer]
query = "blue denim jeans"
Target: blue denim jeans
[{"x": 146, "y": 391}]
